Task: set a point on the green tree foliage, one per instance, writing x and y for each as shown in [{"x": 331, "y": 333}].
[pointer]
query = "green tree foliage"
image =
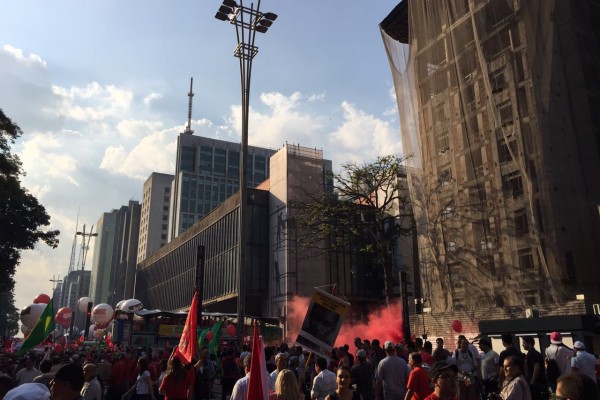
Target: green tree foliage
[
  {"x": 368, "y": 208},
  {"x": 22, "y": 219}
]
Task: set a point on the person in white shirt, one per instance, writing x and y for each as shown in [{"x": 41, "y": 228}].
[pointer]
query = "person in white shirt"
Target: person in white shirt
[
  {"x": 281, "y": 362},
  {"x": 92, "y": 389},
  {"x": 583, "y": 362},
  {"x": 324, "y": 383},
  {"x": 560, "y": 353},
  {"x": 26, "y": 375},
  {"x": 489, "y": 367},
  {"x": 240, "y": 389}
]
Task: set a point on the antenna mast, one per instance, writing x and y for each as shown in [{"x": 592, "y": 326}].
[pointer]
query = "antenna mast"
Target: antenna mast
[{"x": 188, "y": 128}]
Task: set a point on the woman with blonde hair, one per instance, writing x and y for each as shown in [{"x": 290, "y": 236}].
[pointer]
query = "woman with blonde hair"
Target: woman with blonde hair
[{"x": 286, "y": 387}]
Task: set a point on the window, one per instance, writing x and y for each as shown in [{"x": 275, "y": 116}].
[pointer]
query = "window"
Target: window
[
  {"x": 448, "y": 212},
  {"x": 451, "y": 246},
  {"x": 454, "y": 272},
  {"x": 531, "y": 297},
  {"x": 521, "y": 223},
  {"x": 506, "y": 114},
  {"x": 443, "y": 142},
  {"x": 513, "y": 184},
  {"x": 504, "y": 153},
  {"x": 498, "y": 81},
  {"x": 445, "y": 176},
  {"x": 526, "y": 259}
]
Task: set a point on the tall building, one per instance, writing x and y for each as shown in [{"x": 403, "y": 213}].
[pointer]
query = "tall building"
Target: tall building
[
  {"x": 499, "y": 113},
  {"x": 154, "y": 220},
  {"x": 295, "y": 172},
  {"x": 70, "y": 292},
  {"x": 115, "y": 253},
  {"x": 207, "y": 173}
]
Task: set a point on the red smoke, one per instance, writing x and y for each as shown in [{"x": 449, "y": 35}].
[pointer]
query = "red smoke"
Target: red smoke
[{"x": 383, "y": 324}]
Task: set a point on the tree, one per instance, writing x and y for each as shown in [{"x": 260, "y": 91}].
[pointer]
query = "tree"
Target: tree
[
  {"x": 368, "y": 208},
  {"x": 22, "y": 218}
]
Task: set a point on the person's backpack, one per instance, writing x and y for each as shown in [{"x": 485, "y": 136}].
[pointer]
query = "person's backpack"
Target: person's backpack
[{"x": 552, "y": 370}]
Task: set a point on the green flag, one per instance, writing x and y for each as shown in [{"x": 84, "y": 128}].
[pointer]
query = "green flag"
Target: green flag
[
  {"x": 43, "y": 327},
  {"x": 214, "y": 343},
  {"x": 201, "y": 337}
]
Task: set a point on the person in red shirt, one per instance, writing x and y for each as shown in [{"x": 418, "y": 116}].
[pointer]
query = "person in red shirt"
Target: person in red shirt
[
  {"x": 444, "y": 379},
  {"x": 418, "y": 380},
  {"x": 118, "y": 384},
  {"x": 426, "y": 353},
  {"x": 177, "y": 383}
]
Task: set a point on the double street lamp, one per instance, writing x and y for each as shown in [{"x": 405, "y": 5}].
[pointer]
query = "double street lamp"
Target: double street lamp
[{"x": 247, "y": 21}]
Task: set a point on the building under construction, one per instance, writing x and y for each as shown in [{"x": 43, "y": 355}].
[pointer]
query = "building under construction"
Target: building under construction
[{"x": 499, "y": 105}]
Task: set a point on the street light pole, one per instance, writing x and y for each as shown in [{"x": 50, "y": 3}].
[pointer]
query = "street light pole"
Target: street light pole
[
  {"x": 84, "y": 249},
  {"x": 247, "y": 21}
]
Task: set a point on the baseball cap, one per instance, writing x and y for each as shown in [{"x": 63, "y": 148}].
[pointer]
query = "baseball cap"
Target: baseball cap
[
  {"x": 389, "y": 345},
  {"x": 361, "y": 353},
  {"x": 29, "y": 391},
  {"x": 439, "y": 367},
  {"x": 579, "y": 345},
  {"x": 555, "y": 338}
]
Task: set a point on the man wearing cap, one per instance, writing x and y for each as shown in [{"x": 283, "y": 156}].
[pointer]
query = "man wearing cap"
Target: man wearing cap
[
  {"x": 536, "y": 372},
  {"x": 362, "y": 376},
  {"x": 281, "y": 362},
  {"x": 392, "y": 375},
  {"x": 443, "y": 379},
  {"x": 67, "y": 382},
  {"x": 583, "y": 362},
  {"x": 240, "y": 389},
  {"x": 561, "y": 355}
]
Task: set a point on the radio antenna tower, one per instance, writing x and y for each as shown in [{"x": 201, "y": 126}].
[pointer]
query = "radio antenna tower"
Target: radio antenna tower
[{"x": 188, "y": 129}]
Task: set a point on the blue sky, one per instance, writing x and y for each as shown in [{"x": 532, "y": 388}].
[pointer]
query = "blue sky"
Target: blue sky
[{"x": 100, "y": 91}]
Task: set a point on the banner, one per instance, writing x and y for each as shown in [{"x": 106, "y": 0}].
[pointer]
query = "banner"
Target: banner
[
  {"x": 186, "y": 349},
  {"x": 322, "y": 323}
]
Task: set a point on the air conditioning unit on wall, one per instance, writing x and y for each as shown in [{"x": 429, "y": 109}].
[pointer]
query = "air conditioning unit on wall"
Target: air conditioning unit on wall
[{"x": 531, "y": 313}]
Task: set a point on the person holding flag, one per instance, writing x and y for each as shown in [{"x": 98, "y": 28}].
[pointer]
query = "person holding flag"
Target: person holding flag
[{"x": 40, "y": 332}]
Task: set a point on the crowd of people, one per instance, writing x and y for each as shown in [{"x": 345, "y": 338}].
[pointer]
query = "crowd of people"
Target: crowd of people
[{"x": 395, "y": 371}]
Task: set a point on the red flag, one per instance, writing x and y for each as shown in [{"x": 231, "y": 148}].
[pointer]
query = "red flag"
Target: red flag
[
  {"x": 187, "y": 347},
  {"x": 258, "y": 387}
]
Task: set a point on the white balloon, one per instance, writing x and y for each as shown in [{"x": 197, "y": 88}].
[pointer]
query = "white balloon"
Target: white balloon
[
  {"x": 102, "y": 313},
  {"x": 132, "y": 305},
  {"x": 82, "y": 304},
  {"x": 24, "y": 328},
  {"x": 119, "y": 305},
  {"x": 31, "y": 313}
]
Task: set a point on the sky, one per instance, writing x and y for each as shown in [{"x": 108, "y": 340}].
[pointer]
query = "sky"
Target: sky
[{"x": 99, "y": 89}]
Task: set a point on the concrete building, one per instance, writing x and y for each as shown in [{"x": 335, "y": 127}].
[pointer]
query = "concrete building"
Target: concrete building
[
  {"x": 279, "y": 267},
  {"x": 115, "y": 253},
  {"x": 498, "y": 103},
  {"x": 207, "y": 173},
  {"x": 70, "y": 291},
  {"x": 154, "y": 220}
]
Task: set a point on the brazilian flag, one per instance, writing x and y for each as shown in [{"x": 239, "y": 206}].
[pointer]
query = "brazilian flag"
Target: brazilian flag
[{"x": 41, "y": 330}]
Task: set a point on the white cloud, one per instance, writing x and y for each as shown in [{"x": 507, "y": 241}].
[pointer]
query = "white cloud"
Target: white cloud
[
  {"x": 362, "y": 136},
  {"x": 30, "y": 60},
  {"x": 135, "y": 128},
  {"x": 151, "y": 97},
  {"x": 154, "y": 153},
  {"x": 92, "y": 102}
]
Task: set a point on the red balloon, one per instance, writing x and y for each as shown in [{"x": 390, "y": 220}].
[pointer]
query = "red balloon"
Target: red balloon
[
  {"x": 209, "y": 335},
  {"x": 63, "y": 317},
  {"x": 231, "y": 330},
  {"x": 41, "y": 299},
  {"x": 457, "y": 326}
]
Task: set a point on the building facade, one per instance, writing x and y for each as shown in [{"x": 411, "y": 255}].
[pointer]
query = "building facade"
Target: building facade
[
  {"x": 498, "y": 103},
  {"x": 154, "y": 219},
  {"x": 115, "y": 254},
  {"x": 70, "y": 292},
  {"x": 207, "y": 173}
]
